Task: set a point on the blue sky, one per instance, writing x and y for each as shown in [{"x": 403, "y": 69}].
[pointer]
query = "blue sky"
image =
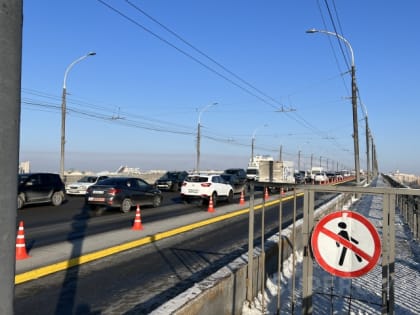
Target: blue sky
[{"x": 137, "y": 101}]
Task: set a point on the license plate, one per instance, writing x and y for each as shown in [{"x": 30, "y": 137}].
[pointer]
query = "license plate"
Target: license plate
[
  {"x": 96, "y": 199},
  {"x": 193, "y": 191}
]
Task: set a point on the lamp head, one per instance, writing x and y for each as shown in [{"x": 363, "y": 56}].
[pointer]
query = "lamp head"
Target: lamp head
[
  {"x": 312, "y": 30},
  {"x": 91, "y": 53}
]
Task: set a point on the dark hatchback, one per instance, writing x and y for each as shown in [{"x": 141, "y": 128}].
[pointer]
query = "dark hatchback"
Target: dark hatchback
[
  {"x": 36, "y": 188},
  {"x": 171, "y": 180},
  {"x": 123, "y": 193}
]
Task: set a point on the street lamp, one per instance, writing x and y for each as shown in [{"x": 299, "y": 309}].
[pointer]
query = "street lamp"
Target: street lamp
[
  {"x": 353, "y": 100},
  {"x": 63, "y": 111},
  {"x": 197, "y": 164}
]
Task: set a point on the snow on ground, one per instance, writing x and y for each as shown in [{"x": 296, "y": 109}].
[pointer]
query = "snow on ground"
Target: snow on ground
[{"x": 357, "y": 296}]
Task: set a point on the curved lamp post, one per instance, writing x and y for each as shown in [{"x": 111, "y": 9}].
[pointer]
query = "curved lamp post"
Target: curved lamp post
[
  {"x": 63, "y": 111},
  {"x": 197, "y": 164},
  {"x": 353, "y": 100}
]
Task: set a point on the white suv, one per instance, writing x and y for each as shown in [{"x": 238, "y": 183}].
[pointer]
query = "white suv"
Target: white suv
[
  {"x": 320, "y": 178},
  {"x": 202, "y": 186}
]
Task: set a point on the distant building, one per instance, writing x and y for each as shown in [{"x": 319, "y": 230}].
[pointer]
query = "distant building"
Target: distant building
[{"x": 24, "y": 167}]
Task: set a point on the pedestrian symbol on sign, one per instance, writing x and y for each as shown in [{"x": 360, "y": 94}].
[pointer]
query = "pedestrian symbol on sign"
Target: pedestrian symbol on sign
[{"x": 345, "y": 234}]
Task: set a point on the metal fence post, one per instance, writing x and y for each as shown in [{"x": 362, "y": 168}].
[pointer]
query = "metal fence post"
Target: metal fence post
[{"x": 308, "y": 217}]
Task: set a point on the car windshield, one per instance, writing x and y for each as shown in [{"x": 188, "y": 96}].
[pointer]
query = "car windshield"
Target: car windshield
[{"x": 87, "y": 179}]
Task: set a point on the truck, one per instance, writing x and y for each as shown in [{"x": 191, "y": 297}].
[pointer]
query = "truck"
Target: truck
[
  {"x": 277, "y": 172},
  {"x": 252, "y": 172}
]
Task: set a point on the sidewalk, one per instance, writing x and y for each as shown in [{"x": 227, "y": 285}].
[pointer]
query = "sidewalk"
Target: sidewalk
[{"x": 362, "y": 295}]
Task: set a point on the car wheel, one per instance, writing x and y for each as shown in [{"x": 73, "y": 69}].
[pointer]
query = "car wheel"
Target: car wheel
[
  {"x": 57, "y": 198},
  {"x": 126, "y": 205},
  {"x": 214, "y": 198},
  {"x": 230, "y": 196},
  {"x": 20, "y": 202},
  {"x": 175, "y": 187},
  {"x": 157, "y": 200}
]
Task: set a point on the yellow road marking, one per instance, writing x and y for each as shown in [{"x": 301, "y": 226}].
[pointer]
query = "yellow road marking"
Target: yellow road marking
[{"x": 76, "y": 261}]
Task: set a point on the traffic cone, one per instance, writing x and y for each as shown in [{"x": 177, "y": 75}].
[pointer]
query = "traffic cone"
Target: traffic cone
[
  {"x": 266, "y": 196},
  {"x": 282, "y": 191},
  {"x": 242, "y": 200},
  {"x": 210, "y": 208},
  {"x": 20, "y": 243},
  {"x": 137, "y": 220}
]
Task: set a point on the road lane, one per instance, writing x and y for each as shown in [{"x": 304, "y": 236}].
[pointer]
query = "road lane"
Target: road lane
[{"x": 137, "y": 281}]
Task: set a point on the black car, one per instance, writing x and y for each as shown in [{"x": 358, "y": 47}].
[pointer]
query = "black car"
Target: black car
[
  {"x": 237, "y": 184},
  {"x": 123, "y": 193},
  {"x": 40, "y": 188},
  {"x": 171, "y": 180},
  {"x": 299, "y": 178},
  {"x": 240, "y": 177}
]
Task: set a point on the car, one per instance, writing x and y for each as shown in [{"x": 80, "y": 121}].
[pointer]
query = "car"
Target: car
[
  {"x": 80, "y": 187},
  {"x": 338, "y": 176},
  {"x": 171, "y": 180},
  {"x": 237, "y": 185},
  {"x": 34, "y": 188},
  {"x": 331, "y": 176},
  {"x": 203, "y": 186},
  {"x": 240, "y": 175},
  {"x": 123, "y": 193},
  {"x": 299, "y": 178},
  {"x": 320, "y": 177}
]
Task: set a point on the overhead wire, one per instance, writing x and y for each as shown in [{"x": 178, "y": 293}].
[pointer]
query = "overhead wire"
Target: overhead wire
[
  {"x": 187, "y": 54},
  {"x": 300, "y": 120},
  {"x": 297, "y": 118}
]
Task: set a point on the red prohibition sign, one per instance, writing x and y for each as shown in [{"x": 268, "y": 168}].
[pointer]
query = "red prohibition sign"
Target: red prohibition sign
[{"x": 345, "y": 251}]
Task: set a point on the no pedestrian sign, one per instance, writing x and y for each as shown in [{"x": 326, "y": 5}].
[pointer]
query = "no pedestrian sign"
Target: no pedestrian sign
[{"x": 346, "y": 244}]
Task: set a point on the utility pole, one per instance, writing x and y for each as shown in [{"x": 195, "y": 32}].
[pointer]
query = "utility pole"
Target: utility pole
[
  {"x": 367, "y": 152},
  {"x": 197, "y": 163},
  {"x": 312, "y": 159},
  {"x": 355, "y": 123},
  {"x": 281, "y": 153},
  {"x": 11, "y": 12},
  {"x": 299, "y": 160}
]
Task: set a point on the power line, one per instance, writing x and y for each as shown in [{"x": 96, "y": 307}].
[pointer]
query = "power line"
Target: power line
[{"x": 186, "y": 54}]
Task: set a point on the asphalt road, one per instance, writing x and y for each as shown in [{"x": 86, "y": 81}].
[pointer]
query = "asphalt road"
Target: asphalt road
[
  {"x": 135, "y": 281},
  {"x": 46, "y": 224}
]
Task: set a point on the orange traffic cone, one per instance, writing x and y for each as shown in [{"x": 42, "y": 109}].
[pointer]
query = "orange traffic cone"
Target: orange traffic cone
[
  {"x": 210, "y": 208},
  {"x": 266, "y": 196},
  {"x": 137, "y": 220},
  {"x": 20, "y": 243},
  {"x": 282, "y": 191},
  {"x": 242, "y": 200}
]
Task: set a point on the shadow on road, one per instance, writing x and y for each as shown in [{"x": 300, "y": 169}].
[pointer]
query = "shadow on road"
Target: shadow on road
[{"x": 67, "y": 297}]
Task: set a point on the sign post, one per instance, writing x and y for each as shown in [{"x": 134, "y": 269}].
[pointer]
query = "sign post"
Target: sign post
[{"x": 346, "y": 244}]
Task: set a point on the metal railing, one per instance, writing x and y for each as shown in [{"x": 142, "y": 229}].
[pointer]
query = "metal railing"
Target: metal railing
[{"x": 405, "y": 200}]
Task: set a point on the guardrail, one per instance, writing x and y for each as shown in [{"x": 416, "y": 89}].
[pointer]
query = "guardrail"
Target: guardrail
[
  {"x": 241, "y": 281},
  {"x": 409, "y": 206}
]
